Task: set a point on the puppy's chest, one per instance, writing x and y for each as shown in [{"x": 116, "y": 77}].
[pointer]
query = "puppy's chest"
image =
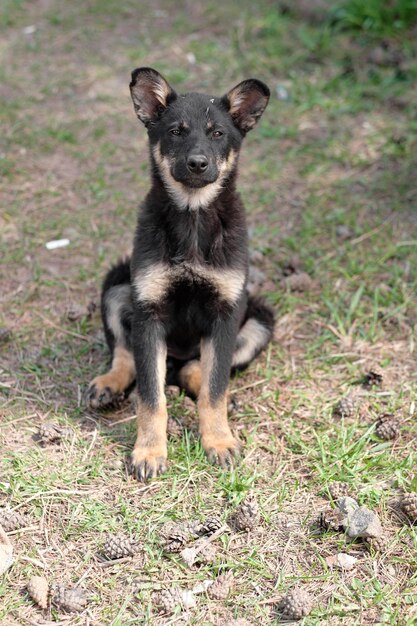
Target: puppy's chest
[{"x": 156, "y": 283}]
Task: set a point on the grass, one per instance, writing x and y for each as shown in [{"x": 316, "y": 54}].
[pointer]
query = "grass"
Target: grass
[{"x": 327, "y": 176}]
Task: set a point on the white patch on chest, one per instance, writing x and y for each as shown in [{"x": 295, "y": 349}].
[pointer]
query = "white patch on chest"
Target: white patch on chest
[{"x": 152, "y": 283}]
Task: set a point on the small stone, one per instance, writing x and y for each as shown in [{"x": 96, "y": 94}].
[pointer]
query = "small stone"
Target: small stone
[
  {"x": 363, "y": 523},
  {"x": 347, "y": 505},
  {"x": 70, "y": 600},
  {"x": 188, "y": 599},
  {"x": 38, "y": 590},
  {"x": 298, "y": 282},
  {"x": 296, "y": 604},
  {"x": 344, "y": 232},
  {"x": 6, "y": 552},
  {"x": 342, "y": 561},
  {"x": 189, "y": 556},
  {"x": 221, "y": 587}
]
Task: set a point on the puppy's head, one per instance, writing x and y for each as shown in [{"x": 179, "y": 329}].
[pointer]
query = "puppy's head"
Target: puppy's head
[{"x": 195, "y": 138}]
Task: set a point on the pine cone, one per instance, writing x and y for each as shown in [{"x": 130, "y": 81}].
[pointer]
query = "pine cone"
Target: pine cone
[
  {"x": 12, "y": 520},
  {"x": 298, "y": 282},
  {"x": 374, "y": 377},
  {"x": 329, "y": 520},
  {"x": 246, "y": 516},
  {"x": 172, "y": 391},
  {"x": 387, "y": 427},
  {"x": 52, "y": 433},
  {"x": 174, "y": 428},
  {"x": 296, "y": 604},
  {"x": 346, "y": 407},
  {"x": 69, "y": 600},
  {"x": 38, "y": 590},
  {"x": 210, "y": 526},
  {"x": 409, "y": 505},
  {"x": 167, "y": 600},
  {"x": 176, "y": 541},
  {"x": 221, "y": 587},
  {"x": 337, "y": 489},
  {"x": 118, "y": 547},
  {"x": 376, "y": 544}
]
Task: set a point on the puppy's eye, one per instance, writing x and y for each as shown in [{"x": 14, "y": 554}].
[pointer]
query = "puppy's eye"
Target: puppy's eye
[
  {"x": 175, "y": 131},
  {"x": 217, "y": 133}
]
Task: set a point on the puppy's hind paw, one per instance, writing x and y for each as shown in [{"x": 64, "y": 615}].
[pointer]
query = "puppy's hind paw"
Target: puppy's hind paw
[{"x": 102, "y": 397}]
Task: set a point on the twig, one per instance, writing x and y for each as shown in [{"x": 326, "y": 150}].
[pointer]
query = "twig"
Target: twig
[
  {"x": 255, "y": 384},
  {"x": 125, "y": 419},
  {"x": 57, "y": 492},
  {"x": 33, "y": 561},
  {"x": 63, "y": 330}
]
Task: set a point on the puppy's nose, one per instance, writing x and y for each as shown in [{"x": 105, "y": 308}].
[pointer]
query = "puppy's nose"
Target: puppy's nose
[{"x": 197, "y": 163}]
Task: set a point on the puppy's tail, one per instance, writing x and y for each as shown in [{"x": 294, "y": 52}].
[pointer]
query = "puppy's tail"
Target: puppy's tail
[
  {"x": 116, "y": 305},
  {"x": 255, "y": 333}
]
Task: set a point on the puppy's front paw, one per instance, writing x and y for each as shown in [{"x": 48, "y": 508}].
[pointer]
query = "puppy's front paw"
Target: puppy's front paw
[
  {"x": 148, "y": 462},
  {"x": 221, "y": 451}
]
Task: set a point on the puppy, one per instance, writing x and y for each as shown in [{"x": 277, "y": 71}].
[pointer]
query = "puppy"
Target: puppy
[{"x": 181, "y": 299}]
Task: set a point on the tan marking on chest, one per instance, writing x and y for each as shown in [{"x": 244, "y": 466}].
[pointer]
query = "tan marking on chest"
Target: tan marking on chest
[{"x": 153, "y": 283}]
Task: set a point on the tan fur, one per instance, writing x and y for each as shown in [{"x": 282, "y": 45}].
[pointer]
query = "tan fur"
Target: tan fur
[
  {"x": 120, "y": 376},
  {"x": 216, "y": 436},
  {"x": 252, "y": 334},
  {"x": 152, "y": 283},
  {"x": 150, "y": 450},
  {"x": 185, "y": 197},
  {"x": 151, "y": 443},
  {"x": 190, "y": 377}
]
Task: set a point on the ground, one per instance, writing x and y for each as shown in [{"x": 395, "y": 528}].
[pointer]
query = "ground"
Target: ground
[{"x": 328, "y": 179}]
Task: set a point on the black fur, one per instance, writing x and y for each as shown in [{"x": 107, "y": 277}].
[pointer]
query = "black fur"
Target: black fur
[{"x": 189, "y": 266}]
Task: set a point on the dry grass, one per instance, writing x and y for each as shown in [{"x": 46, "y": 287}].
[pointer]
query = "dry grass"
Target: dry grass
[{"x": 328, "y": 176}]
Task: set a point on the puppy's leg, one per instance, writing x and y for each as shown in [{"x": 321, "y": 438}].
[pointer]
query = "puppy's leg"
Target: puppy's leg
[
  {"x": 190, "y": 377},
  {"x": 216, "y": 356},
  {"x": 149, "y": 347},
  {"x": 108, "y": 389}
]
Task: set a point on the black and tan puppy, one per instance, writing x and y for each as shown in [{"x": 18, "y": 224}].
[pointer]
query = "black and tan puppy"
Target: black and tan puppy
[{"x": 181, "y": 299}]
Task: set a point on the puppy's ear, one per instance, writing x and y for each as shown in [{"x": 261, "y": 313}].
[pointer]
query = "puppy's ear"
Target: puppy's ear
[
  {"x": 246, "y": 102},
  {"x": 151, "y": 94}
]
